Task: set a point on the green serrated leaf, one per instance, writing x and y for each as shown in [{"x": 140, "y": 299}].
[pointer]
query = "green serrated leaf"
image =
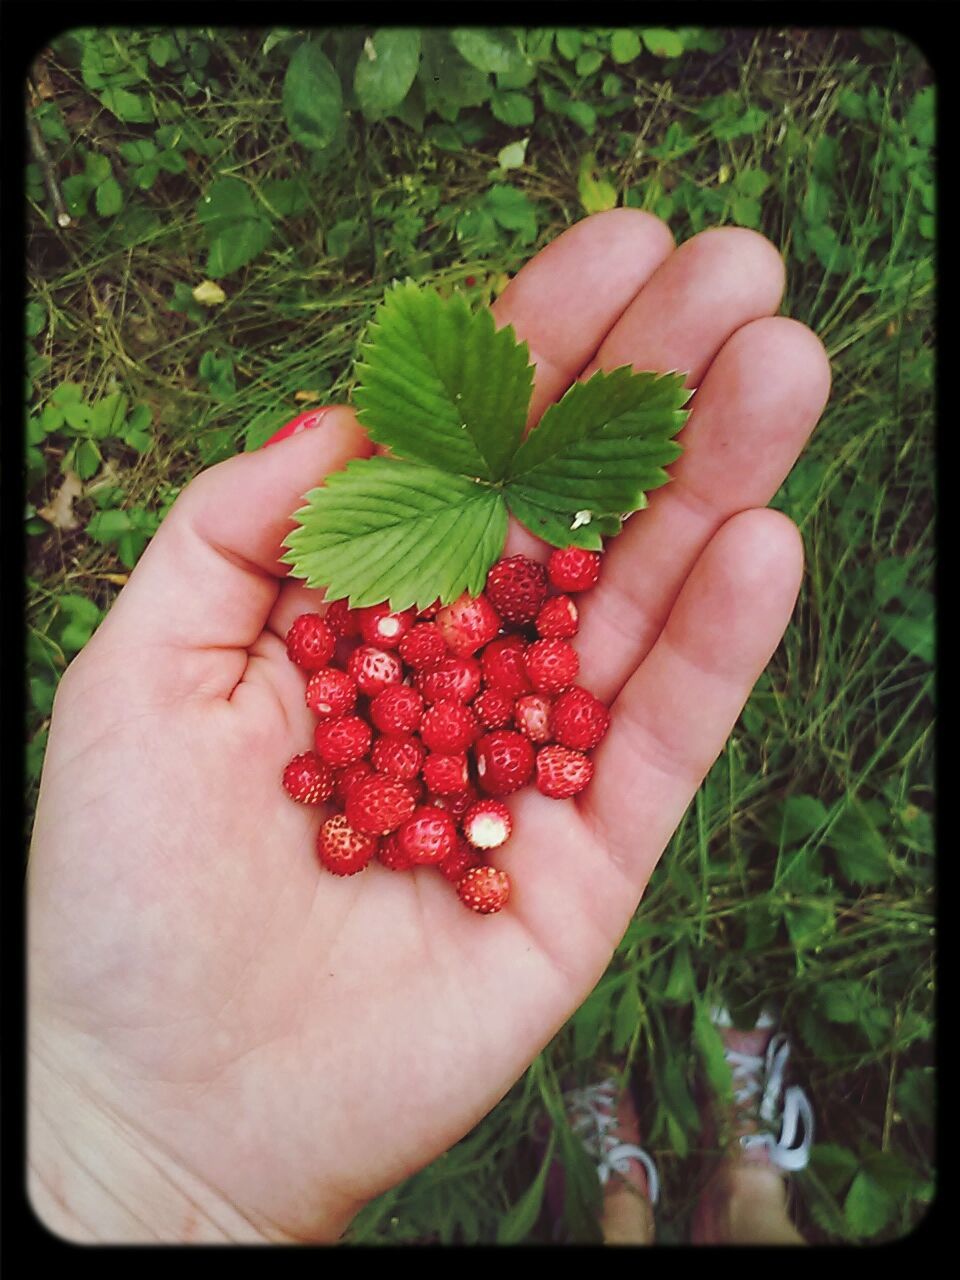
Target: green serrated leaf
[
  {"x": 440, "y": 385},
  {"x": 312, "y": 97},
  {"x": 386, "y": 68},
  {"x": 867, "y": 1207},
  {"x": 449, "y": 82},
  {"x": 387, "y": 530}
]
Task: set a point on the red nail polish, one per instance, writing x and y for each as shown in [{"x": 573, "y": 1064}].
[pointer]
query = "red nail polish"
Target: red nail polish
[{"x": 302, "y": 422}]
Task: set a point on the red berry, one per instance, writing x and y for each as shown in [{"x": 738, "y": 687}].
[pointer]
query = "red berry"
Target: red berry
[
  {"x": 559, "y": 619},
  {"x": 551, "y": 665},
  {"x": 343, "y": 850},
  {"x": 573, "y": 569},
  {"x": 458, "y": 804},
  {"x": 391, "y": 855},
  {"x": 423, "y": 647},
  {"x": 468, "y": 624},
  {"x": 562, "y": 772},
  {"x": 516, "y": 587},
  {"x": 373, "y": 669},
  {"x": 307, "y": 779},
  {"x": 342, "y": 741},
  {"x": 487, "y": 824},
  {"x": 381, "y": 627},
  {"x": 348, "y": 778},
  {"x": 331, "y": 692},
  {"x": 428, "y": 836},
  {"x": 429, "y": 612},
  {"x": 456, "y": 678},
  {"x": 397, "y": 709},
  {"x": 310, "y": 642},
  {"x": 455, "y": 865},
  {"x": 400, "y": 755},
  {"x": 342, "y": 620},
  {"x": 531, "y": 714},
  {"x": 378, "y": 805},
  {"x": 449, "y": 727},
  {"x": 502, "y": 665},
  {"x": 578, "y": 719},
  {"x": 484, "y": 889},
  {"x": 504, "y": 762},
  {"x": 445, "y": 774},
  {"x": 414, "y": 786},
  {"x": 493, "y": 708}
]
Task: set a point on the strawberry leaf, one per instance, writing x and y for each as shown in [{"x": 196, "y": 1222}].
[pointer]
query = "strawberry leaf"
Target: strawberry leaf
[
  {"x": 439, "y": 384},
  {"x": 388, "y": 530}
]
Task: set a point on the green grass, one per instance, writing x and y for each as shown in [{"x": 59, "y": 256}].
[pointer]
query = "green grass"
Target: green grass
[{"x": 804, "y": 869}]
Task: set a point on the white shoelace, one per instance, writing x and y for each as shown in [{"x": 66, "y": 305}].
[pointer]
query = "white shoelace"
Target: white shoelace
[
  {"x": 593, "y": 1117},
  {"x": 764, "y": 1075}
]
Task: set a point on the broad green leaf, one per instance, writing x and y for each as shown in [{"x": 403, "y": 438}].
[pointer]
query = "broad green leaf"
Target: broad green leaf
[
  {"x": 914, "y": 635},
  {"x": 109, "y": 198},
  {"x": 682, "y": 983},
  {"x": 440, "y": 385},
  {"x": 596, "y": 194},
  {"x": 834, "y": 1165},
  {"x": 513, "y": 210},
  {"x": 809, "y": 925},
  {"x": 595, "y": 455},
  {"x": 487, "y": 48},
  {"x": 512, "y": 107},
  {"x": 867, "y": 1207},
  {"x": 132, "y": 108},
  {"x": 801, "y": 817},
  {"x": 312, "y": 97},
  {"x": 663, "y": 43},
  {"x": 861, "y": 850},
  {"x": 710, "y": 1043},
  {"x": 751, "y": 182},
  {"x": 387, "y": 530},
  {"x": 107, "y": 526},
  {"x": 108, "y": 415},
  {"x": 386, "y": 69},
  {"x": 588, "y": 62},
  {"x": 234, "y": 226},
  {"x": 449, "y": 82},
  {"x": 513, "y": 154},
  {"x": 625, "y": 45}
]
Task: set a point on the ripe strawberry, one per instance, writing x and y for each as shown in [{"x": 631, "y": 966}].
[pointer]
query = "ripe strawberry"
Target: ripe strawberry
[
  {"x": 391, "y": 855},
  {"x": 342, "y": 620},
  {"x": 445, "y": 774},
  {"x": 331, "y": 692},
  {"x": 484, "y": 889},
  {"x": 455, "y": 865},
  {"x": 348, "y": 778},
  {"x": 578, "y": 719},
  {"x": 493, "y": 708},
  {"x": 373, "y": 669},
  {"x": 502, "y": 665},
  {"x": 573, "y": 569},
  {"x": 343, "y": 850},
  {"x": 342, "y": 741},
  {"x": 456, "y": 678},
  {"x": 468, "y": 623},
  {"x": 397, "y": 709},
  {"x": 428, "y": 836},
  {"x": 562, "y": 772},
  {"x": 487, "y": 824},
  {"x": 423, "y": 647},
  {"x": 307, "y": 779},
  {"x": 458, "y": 804},
  {"x": 531, "y": 714},
  {"x": 310, "y": 642},
  {"x": 400, "y": 755},
  {"x": 559, "y": 619},
  {"x": 449, "y": 726},
  {"x": 429, "y": 612},
  {"x": 551, "y": 665},
  {"x": 504, "y": 762},
  {"x": 414, "y": 786},
  {"x": 516, "y": 587},
  {"x": 378, "y": 805},
  {"x": 381, "y": 627}
]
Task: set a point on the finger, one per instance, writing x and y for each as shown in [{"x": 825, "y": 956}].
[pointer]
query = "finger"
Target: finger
[{"x": 752, "y": 416}]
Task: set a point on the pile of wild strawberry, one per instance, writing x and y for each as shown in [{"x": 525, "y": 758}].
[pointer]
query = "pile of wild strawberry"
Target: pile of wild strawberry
[{"x": 430, "y": 709}]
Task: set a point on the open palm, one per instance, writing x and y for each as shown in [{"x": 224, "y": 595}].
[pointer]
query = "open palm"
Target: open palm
[{"x": 290, "y": 1043}]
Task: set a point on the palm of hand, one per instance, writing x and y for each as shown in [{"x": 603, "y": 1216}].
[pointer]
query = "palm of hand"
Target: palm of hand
[{"x": 302, "y": 1042}]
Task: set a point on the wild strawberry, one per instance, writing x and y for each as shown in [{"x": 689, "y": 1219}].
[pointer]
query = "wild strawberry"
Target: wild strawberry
[
  {"x": 415, "y": 788},
  {"x": 342, "y": 741},
  {"x": 378, "y": 805},
  {"x": 578, "y": 719},
  {"x": 484, "y": 889},
  {"x": 429, "y": 612},
  {"x": 551, "y": 665},
  {"x": 391, "y": 855},
  {"x": 487, "y": 824},
  {"x": 502, "y": 665},
  {"x": 343, "y": 850},
  {"x": 397, "y": 709},
  {"x": 562, "y": 772},
  {"x": 468, "y": 624},
  {"x": 458, "y": 803},
  {"x": 423, "y": 647},
  {"x": 381, "y": 627},
  {"x": 373, "y": 669},
  {"x": 310, "y": 642},
  {"x": 456, "y": 865},
  {"x": 516, "y": 587},
  {"x": 342, "y": 620},
  {"x": 456, "y": 678},
  {"x": 307, "y": 779},
  {"x": 348, "y": 778},
  {"x": 428, "y": 836},
  {"x": 504, "y": 762},
  {"x": 573, "y": 569},
  {"x": 531, "y": 715},
  {"x": 445, "y": 775},
  {"x": 493, "y": 708},
  {"x": 331, "y": 692},
  {"x": 400, "y": 755},
  {"x": 559, "y": 619},
  {"x": 448, "y": 726}
]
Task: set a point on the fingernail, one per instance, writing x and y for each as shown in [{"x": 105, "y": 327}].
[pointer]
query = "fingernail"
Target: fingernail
[{"x": 303, "y": 422}]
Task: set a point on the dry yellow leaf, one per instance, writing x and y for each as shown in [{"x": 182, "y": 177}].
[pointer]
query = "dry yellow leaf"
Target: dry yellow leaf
[
  {"x": 60, "y": 511},
  {"x": 306, "y": 396},
  {"x": 209, "y": 294}
]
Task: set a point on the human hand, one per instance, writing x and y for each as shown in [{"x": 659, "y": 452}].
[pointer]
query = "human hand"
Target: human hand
[{"x": 226, "y": 1041}]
